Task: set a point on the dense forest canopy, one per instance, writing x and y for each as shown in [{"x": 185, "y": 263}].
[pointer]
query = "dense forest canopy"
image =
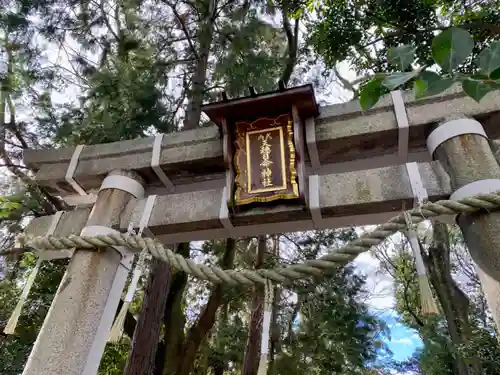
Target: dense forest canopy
[{"x": 96, "y": 71}]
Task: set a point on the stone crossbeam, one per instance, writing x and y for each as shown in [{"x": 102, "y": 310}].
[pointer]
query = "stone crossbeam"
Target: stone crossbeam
[
  {"x": 351, "y": 198},
  {"x": 346, "y": 139}
]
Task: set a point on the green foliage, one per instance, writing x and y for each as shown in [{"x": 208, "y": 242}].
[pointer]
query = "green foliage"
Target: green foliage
[
  {"x": 9, "y": 205},
  {"x": 430, "y": 83},
  {"x": 401, "y": 57},
  {"x": 450, "y": 49},
  {"x": 372, "y": 91},
  {"x": 114, "y": 359},
  {"x": 333, "y": 330},
  {"x": 253, "y": 57},
  {"x": 348, "y": 31},
  {"x": 337, "y": 332},
  {"x": 229, "y": 342},
  {"x": 381, "y": 37},
  {"x": 439, "y": 354},
  {"x": 123, "y": 102},
  {"x": 395, "y": 80},
  {"x": 436, "y": 357},
  {"x": 476, "y": 89},
  {"x": 489, "y": 59},
  {"x": 326, "y": 327},
  {"x": 16, "y": 207},
  {"x": 14, "y": 350},
  {"x": 337, "y": 31},
  {"x": 133, "y": 67}
]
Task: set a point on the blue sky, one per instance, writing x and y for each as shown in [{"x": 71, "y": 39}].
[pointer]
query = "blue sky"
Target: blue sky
[{"x": 404, "y": 341}]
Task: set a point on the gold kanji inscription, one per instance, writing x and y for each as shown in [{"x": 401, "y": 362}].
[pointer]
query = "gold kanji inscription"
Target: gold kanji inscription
[
  {"x": 264, "y": 161},
  {"x": 265, "y": 152},
  {"x": 271, "y": 175}
]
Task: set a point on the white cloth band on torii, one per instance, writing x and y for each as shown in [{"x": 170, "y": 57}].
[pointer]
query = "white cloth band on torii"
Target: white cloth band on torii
[
  {"x": 70, "y": 172},
  {"x": 155, "y": 163}
]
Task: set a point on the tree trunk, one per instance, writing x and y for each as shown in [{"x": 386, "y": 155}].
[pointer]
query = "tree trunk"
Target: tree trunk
[
  {"x": 218, "y": 370},
  {"x": 218, "y": 361},
  {"x": 141, "y": 359},
  {"x": 195, "y": 96},
  {"x": 454, "y": 302},
  {"x": 292, "y": 40},
  {"x": 174, "y": 321},
  {"x": 275, "y": 346},
  {"x": 206, "y": 321},
  {"x": 252, "y": 351}
]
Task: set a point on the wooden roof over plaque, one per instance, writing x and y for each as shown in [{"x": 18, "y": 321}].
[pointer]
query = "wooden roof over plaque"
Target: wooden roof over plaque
[
  {"x": 263, "y": 143},
  {"x": 264, "y": 104}
]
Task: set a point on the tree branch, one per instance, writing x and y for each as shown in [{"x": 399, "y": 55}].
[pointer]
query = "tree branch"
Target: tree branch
[
  {"x": 408, "y": 308},
  {"x": 347, "y": 85},
  {"x": 106, "y": 21},
  {"x": 12, "y": 123},
  {"x": 49, "y": 202},
  {"x": 292, "y": 38},
  {"x": 495, "y": 29},
  {"x": 11, "y": 166},
  {"x": 185, "y": 30}
]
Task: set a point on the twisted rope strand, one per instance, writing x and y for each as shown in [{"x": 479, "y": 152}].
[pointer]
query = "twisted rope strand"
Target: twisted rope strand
[{"x": 305, "y": 270}]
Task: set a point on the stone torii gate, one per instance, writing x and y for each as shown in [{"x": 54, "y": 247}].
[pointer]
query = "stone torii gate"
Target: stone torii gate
[{"x": 331, "y": 167}]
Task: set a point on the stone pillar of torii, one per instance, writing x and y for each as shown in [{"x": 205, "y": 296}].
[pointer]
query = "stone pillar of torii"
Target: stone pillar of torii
[{"x": 271, "y": 163}]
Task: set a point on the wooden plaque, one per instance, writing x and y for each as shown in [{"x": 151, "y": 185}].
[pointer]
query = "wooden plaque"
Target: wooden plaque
[{"x": 264, "y": 160}]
